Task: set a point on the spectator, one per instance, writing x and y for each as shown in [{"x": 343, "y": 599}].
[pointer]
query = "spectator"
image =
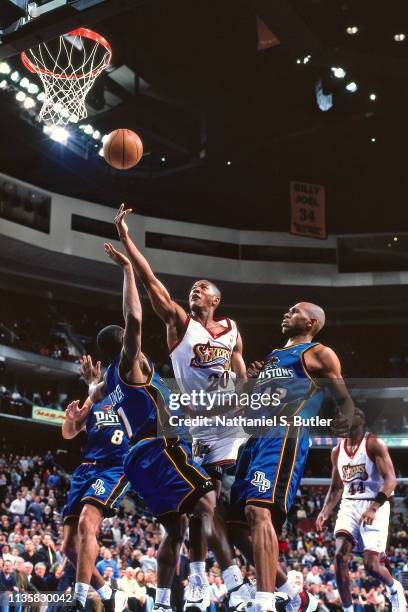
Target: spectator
[
  {"x": 107, "y": 561},
  {"x": 30, "y": 553},
  {"x": 149, "y": 561},
  {"x": 313, "y": 577},
  {"x": 108, "y": 576},
  {"x": 35, "y": 509},
  {"x": 39, "y": 579},
  {"x": 8, "y": 585},
  {"x": 18, "y": 505},
  {"x": 128, "y": 584},
  {"x": 48, "y": 553},
  {"x": 218, "y": 593}
]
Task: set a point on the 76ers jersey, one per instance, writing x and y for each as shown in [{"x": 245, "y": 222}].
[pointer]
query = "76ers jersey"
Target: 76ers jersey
[
  {"x": 358, "y": 471},
  {"x": 202, "y": 360},
  {"x": 107, "y": 441},
  {"x": 284, "y": 373}
]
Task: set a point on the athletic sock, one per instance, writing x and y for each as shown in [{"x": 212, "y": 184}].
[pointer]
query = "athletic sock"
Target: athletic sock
[
  {"x": 265, "y": 600},
  {"x": 81, "y": 592},
  {"x": 287, "y": 588},
  {"x": 232, "y": 577},
  {"x": 197, "y": 568},
  {"x": 104, "y": 592},
  {"x": 163, "y": 597},
  {"x": 348, "y": 608}
]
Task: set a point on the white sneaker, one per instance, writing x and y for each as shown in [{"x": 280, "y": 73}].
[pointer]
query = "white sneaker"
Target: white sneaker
[
  {"x": 241, "y": 596},
  {"x": 397, "y": 597},
  {"x": 197, "y": 598}
]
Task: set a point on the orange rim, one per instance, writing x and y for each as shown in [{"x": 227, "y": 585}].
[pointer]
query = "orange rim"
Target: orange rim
[{"x": 84, "y": 33}]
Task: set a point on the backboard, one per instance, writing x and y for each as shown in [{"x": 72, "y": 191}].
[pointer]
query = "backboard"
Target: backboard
[{"x": 25, "y": 23}]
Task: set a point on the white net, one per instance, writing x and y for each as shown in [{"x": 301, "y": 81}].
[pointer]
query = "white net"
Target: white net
[{"x": 68, "y": 68}]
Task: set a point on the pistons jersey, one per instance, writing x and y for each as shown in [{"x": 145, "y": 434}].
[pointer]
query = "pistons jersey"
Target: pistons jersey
[
  {"x": 202, "y": 360},
  {"x": 107, "y": 440},
  {"x": 358, "y": 471},
  {"x": 284, "y": 377}
]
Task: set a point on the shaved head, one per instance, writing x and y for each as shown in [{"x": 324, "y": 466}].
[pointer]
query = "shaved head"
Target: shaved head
[
  {"x": 303, "y": 318},
  {"x": 315, "y": 312}
]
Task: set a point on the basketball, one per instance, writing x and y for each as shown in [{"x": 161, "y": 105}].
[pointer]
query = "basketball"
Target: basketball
[{"x": 123, "y": 149}]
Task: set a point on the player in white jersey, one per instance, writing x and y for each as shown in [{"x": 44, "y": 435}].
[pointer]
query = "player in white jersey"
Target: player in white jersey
[
  {"x": 363, "y": 478},
  {"x": 207, "y": 356},
  {"x": 204, "y": 359}
]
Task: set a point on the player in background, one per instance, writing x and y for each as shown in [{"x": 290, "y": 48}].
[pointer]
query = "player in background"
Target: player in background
[
  {"x": 97, "y": 486},
  {"x": 206, "y": 354},
  {"x": 160, "y": 469},
  {"x": 271, "y": 463},
  {"x": 363, "y": 478}
]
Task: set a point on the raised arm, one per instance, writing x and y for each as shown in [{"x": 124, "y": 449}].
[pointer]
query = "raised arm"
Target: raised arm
[
  {"x": 132, "y": 363},
  {"x": 168, "y": 310},
  {"x": 334, "y": 493},
  {"x": 75, "y": 418},
  {"x": 379, "y": 452},
  {"x": 325, "y": 362}
]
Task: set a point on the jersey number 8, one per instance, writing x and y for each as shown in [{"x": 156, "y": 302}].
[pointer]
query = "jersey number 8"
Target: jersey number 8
[{"x": 117, "y": 437}]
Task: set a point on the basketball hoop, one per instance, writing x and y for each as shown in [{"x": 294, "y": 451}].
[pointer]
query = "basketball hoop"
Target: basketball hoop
[{"x": 68, "y": 67}]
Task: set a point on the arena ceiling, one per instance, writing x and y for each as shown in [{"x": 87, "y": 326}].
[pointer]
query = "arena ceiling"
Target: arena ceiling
[{"x": 226, "y": 98}]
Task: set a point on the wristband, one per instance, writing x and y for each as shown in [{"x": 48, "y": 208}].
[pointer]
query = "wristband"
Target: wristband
[{"x": 381, "y": 498}]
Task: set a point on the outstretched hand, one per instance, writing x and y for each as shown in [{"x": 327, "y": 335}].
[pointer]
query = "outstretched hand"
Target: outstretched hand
[
  {"x": 118, "y": 257},
  {"x": 73, "y": 412},
  {"x": 89, "y": 372},
  {"x": 119, "y": 221}
]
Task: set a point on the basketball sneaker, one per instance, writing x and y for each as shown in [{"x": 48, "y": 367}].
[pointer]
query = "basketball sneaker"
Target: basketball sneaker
[
  {"x": 397, "y": 597},
  {"x": 197, "y": 596},
  {"x": 162, "y": 608},
  {"x": 240, "y": 596}
]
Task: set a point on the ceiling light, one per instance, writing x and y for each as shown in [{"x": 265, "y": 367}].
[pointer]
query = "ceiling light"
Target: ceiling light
[
  {"x": 59, "y": 134},
  {"x": 24, "y": 82},
  {"x": 307, "y": 59},
  {"x": 373, "y": 139},
  {"x": 96, "y": 135},
  {"x": 373, "y": 96},
  {"x": 14, "y": 76},
  {"x": 41, "y": 96},
  {"x": 29, "y": 103},
  {"x": 163, "y": 159},
  {"x": 395, "y": 238},
  {"x": 399, "y": 37},
  {"x": 352, "y": 30},
  {"x": 3, "y": 84},
  {"x": 339, "y": 73},
  {"x": 228, "y": 163},
  {"x": 352, "y": 87},
  {"x": 20, "y": 96},
  {"x": 33, "y": 88},
  {"x": 4, "y": 68}
]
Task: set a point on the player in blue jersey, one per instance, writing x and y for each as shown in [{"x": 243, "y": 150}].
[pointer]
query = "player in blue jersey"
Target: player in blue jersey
[
  {"x": 159, "y": 468},
  {"x": 272, "y": 461},
  {"x": 97, "y": 486}
]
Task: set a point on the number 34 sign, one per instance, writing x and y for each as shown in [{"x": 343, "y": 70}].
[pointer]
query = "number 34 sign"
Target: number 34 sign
[{"x": 308, "y": 210}]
